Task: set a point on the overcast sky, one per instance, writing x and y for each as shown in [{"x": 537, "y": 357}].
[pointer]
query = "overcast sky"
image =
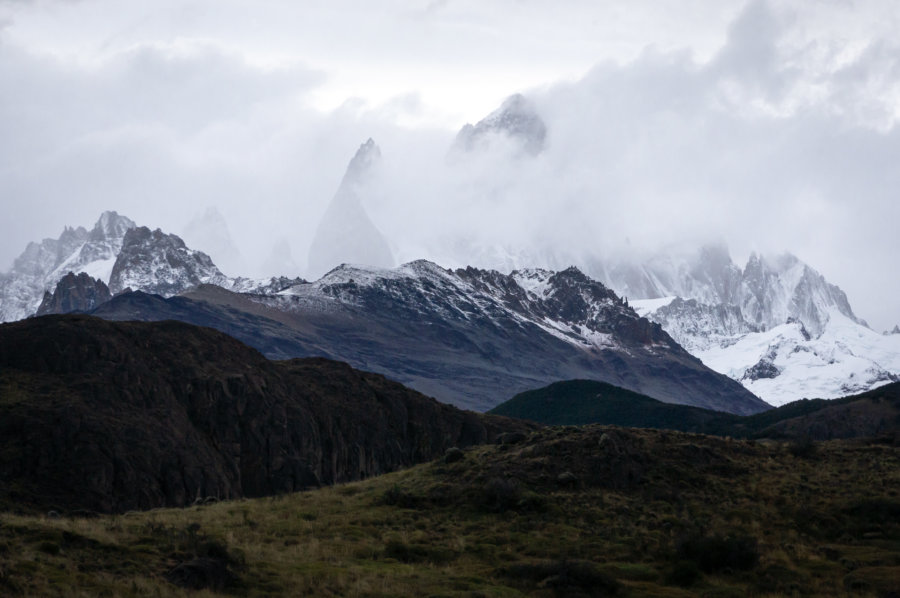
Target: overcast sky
[{"x": 770, "y": 125}]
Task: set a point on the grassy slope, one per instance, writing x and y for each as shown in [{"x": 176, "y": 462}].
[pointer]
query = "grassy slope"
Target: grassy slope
[
  {"x": 501, "y": 522},
  {"x": 578, "y": 402}
]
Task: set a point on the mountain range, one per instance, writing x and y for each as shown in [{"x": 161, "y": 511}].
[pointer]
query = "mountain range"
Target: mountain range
[
  {"x": 473, "y": 336},
  {"x": 469, "y": 337}
]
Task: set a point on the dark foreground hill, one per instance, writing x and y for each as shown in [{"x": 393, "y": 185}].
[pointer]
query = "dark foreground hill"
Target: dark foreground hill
[
  {"x": 577, "y": 402},
  {"x": 112, "y": 416},
  {"x": 590, "y": 511}
]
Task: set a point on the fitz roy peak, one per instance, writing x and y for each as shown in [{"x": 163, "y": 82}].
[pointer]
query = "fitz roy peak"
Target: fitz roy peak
[{"x": 346, "y": 233}]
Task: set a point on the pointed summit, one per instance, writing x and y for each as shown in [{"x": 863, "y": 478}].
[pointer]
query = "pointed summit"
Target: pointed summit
[
  {"x": 367, "y": 158},
  {"x": 516, "y": 119},
  {"x": 346, "y": 234},
  {"x": 111, "y": 226}
]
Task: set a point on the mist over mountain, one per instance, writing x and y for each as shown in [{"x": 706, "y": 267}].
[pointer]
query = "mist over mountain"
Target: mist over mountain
[
  {"x": 515, "y": 122},
  {"x": 209, "y": 230},
  {"x": 776, "y": 324}
]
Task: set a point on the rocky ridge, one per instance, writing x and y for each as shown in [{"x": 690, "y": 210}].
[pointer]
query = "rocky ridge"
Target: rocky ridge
[
  {"x": 160, "y": 263},
  {"x": 470, "y": 337},
  {"x": 40, "y": 267}
]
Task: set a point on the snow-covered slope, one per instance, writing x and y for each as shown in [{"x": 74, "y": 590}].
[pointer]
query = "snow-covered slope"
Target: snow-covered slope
[
  {"x": 786, "y": 363},
  {"x": 776, "y": 325}
]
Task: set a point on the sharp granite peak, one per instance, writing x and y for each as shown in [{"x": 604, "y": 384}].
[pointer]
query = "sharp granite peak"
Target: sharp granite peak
[
  {"x": 209, "y": 231},
  {"x": 346, "y": 233}
]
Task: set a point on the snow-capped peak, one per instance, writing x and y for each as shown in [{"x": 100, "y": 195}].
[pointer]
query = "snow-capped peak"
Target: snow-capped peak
[
  {"x": 516, "y": 119},
  {"x": 786, "y": 363},
  {"x": 111, "y": 226},
  {"x": 160, "y": 263}
]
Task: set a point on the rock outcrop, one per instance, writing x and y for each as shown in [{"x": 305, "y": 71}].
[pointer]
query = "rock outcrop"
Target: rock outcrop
[{"x": 74, "y": 293}]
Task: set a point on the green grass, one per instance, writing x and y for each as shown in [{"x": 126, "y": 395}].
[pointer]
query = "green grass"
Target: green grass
[{"x": 644, "y": 509}]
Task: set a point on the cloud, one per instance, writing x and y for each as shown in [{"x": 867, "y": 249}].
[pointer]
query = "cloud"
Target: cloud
[
  {"x": 779, "y": 133},
  {"x": 146, "y": 131},
  {"x": 666, "y": 150}
]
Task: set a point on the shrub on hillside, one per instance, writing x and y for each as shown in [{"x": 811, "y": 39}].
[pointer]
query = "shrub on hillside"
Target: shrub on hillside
[
  {"x": 714, "y": 554},
  {"x": 564, "y": 577},
  {"x": 803, "y": 448}
]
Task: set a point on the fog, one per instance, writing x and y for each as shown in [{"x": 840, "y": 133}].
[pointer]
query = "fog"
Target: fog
[{"x": 771, "y": 126}]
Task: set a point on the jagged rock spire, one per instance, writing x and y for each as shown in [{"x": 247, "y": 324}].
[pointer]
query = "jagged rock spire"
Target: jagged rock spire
[{"x": 346, "y": 234}]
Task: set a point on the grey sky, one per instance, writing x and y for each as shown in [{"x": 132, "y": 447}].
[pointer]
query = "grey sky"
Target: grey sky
[{"x": 771, "y": 125}]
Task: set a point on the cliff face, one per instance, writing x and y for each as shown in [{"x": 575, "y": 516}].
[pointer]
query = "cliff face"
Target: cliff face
[{"x": 112, "y": 416}]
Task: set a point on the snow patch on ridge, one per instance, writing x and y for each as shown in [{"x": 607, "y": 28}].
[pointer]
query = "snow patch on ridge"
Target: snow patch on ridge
[
  {"x": 534, "y": 281},
  {"x": 645, "y": 307}
]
